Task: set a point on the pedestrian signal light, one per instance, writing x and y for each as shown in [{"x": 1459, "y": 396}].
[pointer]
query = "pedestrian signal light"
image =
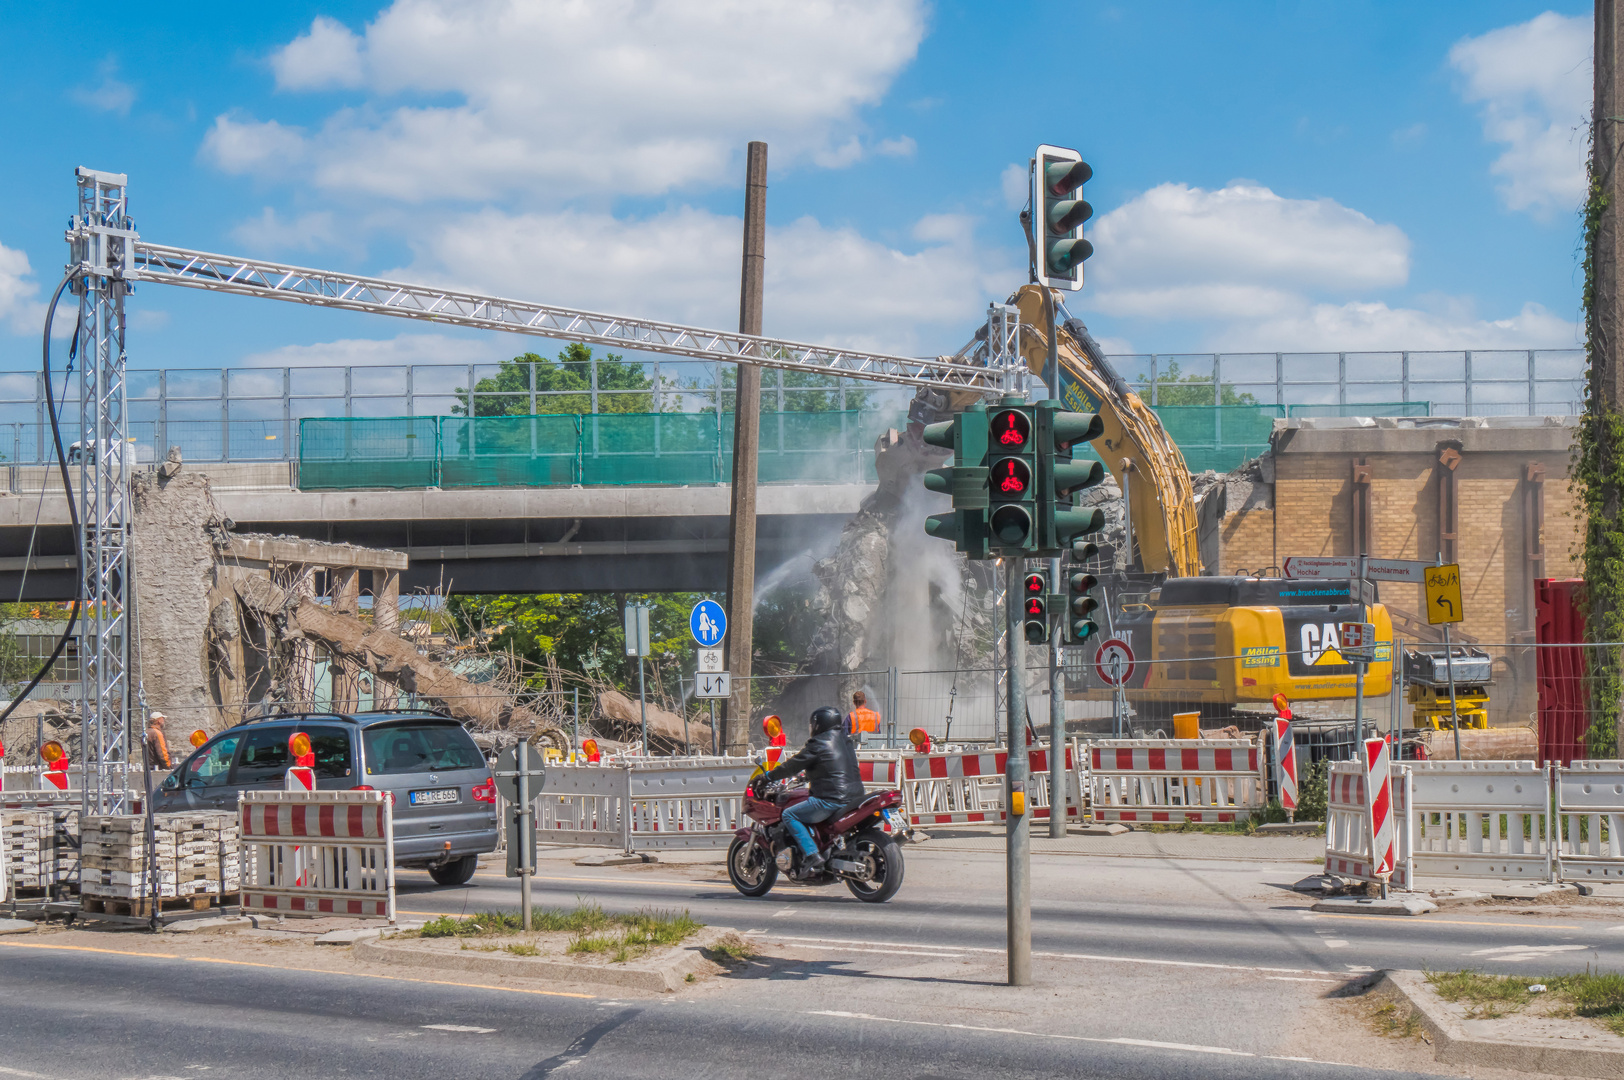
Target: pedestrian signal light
[
  {"x": 52, "y": 752},
  {"x": 1035, "y": 623},
  {"x": 1010, "y": 430},
  {"x": 198, "y": 737},
  {"x": 1011, "y": 477}
]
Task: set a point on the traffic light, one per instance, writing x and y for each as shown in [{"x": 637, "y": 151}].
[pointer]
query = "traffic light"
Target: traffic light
[
  {"x": 1081, "y": 628},
  {"x": 1059, "y": 477},
  {"x": 1058, "y": 213},
  {"x": 1035, "y": 623},
  {"x": 965, "y": 480},
  {"x": 1012, "y": 478}
]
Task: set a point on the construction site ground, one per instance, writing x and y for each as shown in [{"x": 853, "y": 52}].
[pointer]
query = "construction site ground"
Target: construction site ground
[{"x": 1155, "y": 954}]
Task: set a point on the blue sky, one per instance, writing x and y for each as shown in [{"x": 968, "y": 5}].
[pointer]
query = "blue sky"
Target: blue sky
[{"x": 1269, "y": 176}]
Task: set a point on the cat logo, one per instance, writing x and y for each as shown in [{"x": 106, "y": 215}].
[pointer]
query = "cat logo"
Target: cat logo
[{"x": 1320, "y": 645}]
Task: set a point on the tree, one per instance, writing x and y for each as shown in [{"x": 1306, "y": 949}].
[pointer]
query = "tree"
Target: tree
[
  {"x": 1175, "y": 388},
  {"x": 567, "y": 384}
]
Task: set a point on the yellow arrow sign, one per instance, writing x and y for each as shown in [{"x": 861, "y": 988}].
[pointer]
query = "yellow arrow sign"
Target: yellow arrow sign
[{"x": 1443, "y": 594}]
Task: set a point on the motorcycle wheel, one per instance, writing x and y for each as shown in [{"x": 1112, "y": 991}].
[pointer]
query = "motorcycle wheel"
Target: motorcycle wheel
[
  {"x": 751, "y": 870},
  {"x": 887, "y": 856}
]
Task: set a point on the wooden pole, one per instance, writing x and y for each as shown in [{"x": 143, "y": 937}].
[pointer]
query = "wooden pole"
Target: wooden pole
[
  {"x": 1606, "y": 397},
  {"x": 741, "y": 541}
]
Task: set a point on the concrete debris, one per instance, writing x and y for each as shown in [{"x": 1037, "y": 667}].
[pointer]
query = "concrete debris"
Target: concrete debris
[
  {"x": 1396, "y": 904},
  {"x": 1477, "y": 744}
]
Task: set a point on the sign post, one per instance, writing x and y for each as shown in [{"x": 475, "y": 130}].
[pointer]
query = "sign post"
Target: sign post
[
  {"x": 637, "y": 644},
  {"x": 1113, "y": 662},
  {"x": 1444, "y": 606},
  {"x": 707, "y": 622},
  {"x": 1357, "y": 643},
  {"x": 519, "y": 777}
]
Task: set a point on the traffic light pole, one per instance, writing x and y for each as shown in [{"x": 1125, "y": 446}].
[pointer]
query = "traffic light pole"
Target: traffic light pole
[
  {"x": 1057, "y": 638},
  {"x": 1019, "y": 851}
]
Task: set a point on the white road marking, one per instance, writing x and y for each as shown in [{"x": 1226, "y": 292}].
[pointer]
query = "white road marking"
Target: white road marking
[
  {"x": 1297, "y": 978},
  {"x": 1060, "y": 956},
  {"x": 781, "y": 914},
  {"x": 1150, "y": 1043},
  {"x": 1512, "y": 954},
  {"x": 1335, "y": 943},
  {"x": 905, "y": 952},
  {"x": 26, "y": 1075},
  {"x": 459, "y": 1027}
]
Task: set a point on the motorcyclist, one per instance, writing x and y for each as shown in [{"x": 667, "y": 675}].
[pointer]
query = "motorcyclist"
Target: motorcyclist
[{"x": 830, "y": 764}]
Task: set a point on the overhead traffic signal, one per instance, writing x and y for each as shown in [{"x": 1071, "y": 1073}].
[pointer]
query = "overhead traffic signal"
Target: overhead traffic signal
[
  {"x": 1012, "y": 478},
  {"x": 965, "y": 480},
  {"x": 1080, "y": 627},
  {"x": 1035, "y": 622},
  {"x": 1058, "y": 213},
  {"x": 1060, "y": 477}
]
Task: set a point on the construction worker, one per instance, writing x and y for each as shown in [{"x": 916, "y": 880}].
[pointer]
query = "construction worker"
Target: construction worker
[
  {"x": 861, "y": 720},
  {"x": 157, "y": 748}
]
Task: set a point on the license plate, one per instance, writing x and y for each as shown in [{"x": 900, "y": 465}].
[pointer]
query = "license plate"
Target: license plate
[
  {"x": 894, "y": 822},
  {"x": 434, "y": 796}
]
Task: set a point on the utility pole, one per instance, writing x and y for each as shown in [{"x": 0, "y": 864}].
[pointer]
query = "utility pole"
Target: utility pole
[
  {"x": 1018, "y": 850},
  {"x": 1057, "y": 637},
  {"x": 1605, "y": 323},
  {"x": 741, "y": 541}
]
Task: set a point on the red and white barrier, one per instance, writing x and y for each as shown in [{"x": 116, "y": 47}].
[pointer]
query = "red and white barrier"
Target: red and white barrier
[
  {"x": 968, "y": 787},
  {"x": 1285, "y": 764},
  {"x": 318, "y": 853},
  {"x": 1379, "y": 801},
  {"x": 1176, "y": 780},
  {"x": 1350, "y": 802}
]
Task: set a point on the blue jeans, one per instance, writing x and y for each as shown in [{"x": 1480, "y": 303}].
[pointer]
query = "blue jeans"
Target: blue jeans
[{"x": 797, "y": 817}]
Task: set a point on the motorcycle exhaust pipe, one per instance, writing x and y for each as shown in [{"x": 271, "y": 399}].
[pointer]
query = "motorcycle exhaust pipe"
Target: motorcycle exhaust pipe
[{"x": 846, "y": 866}]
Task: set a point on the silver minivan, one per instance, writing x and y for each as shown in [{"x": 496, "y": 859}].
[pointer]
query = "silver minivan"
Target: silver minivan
[{"x": 443, "y": 793}]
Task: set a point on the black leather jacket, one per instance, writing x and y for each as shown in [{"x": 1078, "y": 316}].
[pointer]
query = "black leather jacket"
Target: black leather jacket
[{"x": 830, "y": 763}]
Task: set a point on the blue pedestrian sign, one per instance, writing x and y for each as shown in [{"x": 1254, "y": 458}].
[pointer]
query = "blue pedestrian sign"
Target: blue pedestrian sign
[{"x": 708, "y": 623}]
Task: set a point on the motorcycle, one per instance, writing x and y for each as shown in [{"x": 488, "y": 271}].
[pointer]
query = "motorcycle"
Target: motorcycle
[{"x": 858, "y": 846}]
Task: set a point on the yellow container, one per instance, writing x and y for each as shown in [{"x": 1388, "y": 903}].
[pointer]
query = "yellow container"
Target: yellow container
[{"x": 1186, "y": 725}]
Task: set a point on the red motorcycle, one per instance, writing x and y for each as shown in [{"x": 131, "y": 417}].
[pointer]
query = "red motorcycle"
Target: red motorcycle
[{"x": 858, "y": 846}]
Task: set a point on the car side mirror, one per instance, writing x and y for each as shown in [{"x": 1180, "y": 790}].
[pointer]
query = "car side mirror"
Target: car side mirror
[{"x": 171, "y": 782}]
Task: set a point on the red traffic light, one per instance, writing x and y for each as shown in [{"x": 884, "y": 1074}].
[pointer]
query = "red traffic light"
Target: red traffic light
[
  {"x": 1035, "y": 608},
  {"x": 1011, "y": 478},
  {"x": 1010, "y": 430},
  {"x": 1035, "y": 584}
]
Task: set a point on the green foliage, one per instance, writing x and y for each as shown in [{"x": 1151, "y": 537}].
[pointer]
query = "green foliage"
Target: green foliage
[
  {"x": 1173, "y": 387},
  {"x": 570, "y": 377},
  {"x": 1313, "y": 792},
  {"x": 1598, "y": 479},
  {"x": 1596, "y": 995}
]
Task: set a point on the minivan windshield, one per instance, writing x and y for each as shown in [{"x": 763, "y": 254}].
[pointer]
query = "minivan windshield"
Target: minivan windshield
[{"x": 419, "y": 746}]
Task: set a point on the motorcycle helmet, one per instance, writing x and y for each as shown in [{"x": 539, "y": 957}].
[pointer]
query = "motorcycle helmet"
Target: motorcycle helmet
[{"x": 825, "y": 719}]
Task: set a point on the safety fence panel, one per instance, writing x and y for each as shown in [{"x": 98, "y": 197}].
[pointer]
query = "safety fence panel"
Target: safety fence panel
[
  {"x": 1590, "y": 821},
  {"x": 967, "y": 788},
  {"x": 880, "y": 771},
  {"x": 1176, "y": 780},
  {"x": 1481, "y": 819},
  {"x": 318, "y": 853},
  {"x": 695, "y": 803},
  {"x": 376, "y": 452},
  {"x": 1347, "y": 825}
]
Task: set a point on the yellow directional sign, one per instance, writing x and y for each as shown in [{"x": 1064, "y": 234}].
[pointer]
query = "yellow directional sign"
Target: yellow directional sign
[{"x": 1443, "y": 593}]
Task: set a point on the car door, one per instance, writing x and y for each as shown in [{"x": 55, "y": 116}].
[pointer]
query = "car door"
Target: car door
[
  {"x": 206, "y": 778},
  {"x": 263, "y": 763}
]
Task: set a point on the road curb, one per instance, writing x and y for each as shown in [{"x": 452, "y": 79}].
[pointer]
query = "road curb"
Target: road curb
[
  {"x": 663, "y": 973},
  {"x": 1453, "y": 1045}
]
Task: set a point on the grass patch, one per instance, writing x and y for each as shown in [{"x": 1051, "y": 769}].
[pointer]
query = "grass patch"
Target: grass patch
[
  {"x": 1594, "y": 995},
  {"x": 1395, "y": 1023},
  {"x": 593, "y": 931},
  {"x": 733, "y": 948},
  {"x": 523, "y": 948}
]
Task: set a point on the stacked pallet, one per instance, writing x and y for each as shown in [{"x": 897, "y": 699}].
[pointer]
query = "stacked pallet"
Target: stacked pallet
[
  {"x": 39, "y": 848},
  {"x": 191, "y": 852},
  {"x": 205, "y": 849}
]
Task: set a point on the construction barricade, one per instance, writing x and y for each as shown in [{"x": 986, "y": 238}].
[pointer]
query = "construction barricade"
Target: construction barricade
[
  {"x": 644, "y": 805},
  {"x": 1348, "y": 825},
  {"x": 1481, "y": 819},
  {"x": 318, "y": 853},
  {"x": 1589, "y": 843},
  {"x": 967, "y": 787},
  {"x": 1176, "y": 780}
]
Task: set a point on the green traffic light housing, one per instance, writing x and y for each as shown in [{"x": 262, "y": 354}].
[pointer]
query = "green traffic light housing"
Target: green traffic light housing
[
  {"x": 1035, "y": 621},
  {"x": 1058, "y": 178},
  {"x": 1082, "y": 606}
]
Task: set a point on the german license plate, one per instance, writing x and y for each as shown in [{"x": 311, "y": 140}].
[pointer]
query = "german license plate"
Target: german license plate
[
  {"x": 894, "y": 822},
  {"x": 434, "y": 796}
]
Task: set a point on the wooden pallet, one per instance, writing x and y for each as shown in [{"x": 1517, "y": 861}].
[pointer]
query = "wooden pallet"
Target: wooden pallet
[{"x": 112, "y": 905}]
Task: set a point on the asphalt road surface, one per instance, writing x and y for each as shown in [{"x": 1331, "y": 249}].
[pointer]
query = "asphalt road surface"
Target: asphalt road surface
[{"x": 72, "y": 1015}]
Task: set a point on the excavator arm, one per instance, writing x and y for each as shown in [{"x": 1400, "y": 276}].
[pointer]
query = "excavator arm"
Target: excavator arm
[{"x": 1136, "y": 448}]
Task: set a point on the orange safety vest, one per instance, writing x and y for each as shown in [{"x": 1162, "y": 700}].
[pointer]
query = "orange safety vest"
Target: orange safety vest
[{"x": 864, "y": 719}]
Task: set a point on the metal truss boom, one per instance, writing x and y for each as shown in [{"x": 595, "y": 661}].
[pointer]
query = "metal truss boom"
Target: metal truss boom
[{"x": 325, "y": 288}]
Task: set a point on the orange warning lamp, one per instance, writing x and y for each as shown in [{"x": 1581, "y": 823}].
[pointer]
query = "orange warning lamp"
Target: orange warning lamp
[
  {"x": 199, "y": 737},
  {"x": 300, "y": 750},
  {"x": 773, "y": 728},
  {"x": 920, "y": 739},
  {"x": 53, "y": 752},
  {"x": 589, "y": 747},
  {"x": 1282, "y": 707}
]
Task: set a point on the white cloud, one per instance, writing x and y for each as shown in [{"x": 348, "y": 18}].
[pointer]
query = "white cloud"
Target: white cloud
[
  {"x": 1533, "y": 81},
  {"x": 1016, "y": 182},
  {"x": 271, "y": 232},
  {"x": 902, "y": 146},
  {"x": 20, "y": 306},
  {"x": 560, "y": 98},
  {"x": 398, "y": 351},
  {"x": 1181, "y": 252},
  {"x": 823, "y": 284},
  {"x": 1367, "y": 326},
  {"x": 110, "y": 95}
]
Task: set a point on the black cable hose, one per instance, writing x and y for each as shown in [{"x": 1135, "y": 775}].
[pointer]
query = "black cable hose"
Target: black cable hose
[{"x": 73, "y": 510}]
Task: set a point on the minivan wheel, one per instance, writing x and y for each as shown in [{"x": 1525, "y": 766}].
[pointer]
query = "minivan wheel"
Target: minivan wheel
[{"x": 456, "y": 872}]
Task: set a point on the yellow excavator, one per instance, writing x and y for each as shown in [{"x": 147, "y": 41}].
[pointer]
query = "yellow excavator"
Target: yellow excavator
[{"x": 1220, "y": 645}]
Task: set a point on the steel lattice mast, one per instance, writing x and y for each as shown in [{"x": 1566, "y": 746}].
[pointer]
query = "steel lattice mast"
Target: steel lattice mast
[
  {"x": 325, "y": 288},
  {"x": 100, "y": 246}
]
